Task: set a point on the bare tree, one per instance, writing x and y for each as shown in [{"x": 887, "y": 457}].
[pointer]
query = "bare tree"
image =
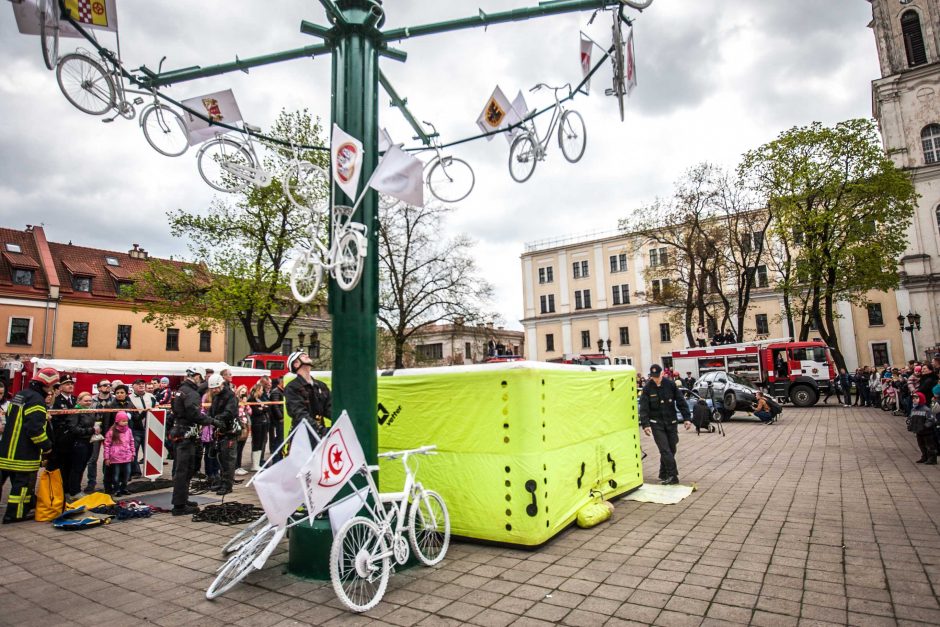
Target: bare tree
[{"x": 425, "y": 278}]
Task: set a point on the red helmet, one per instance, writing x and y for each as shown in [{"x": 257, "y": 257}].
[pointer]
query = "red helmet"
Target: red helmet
[{"x": 46, "y": 376}]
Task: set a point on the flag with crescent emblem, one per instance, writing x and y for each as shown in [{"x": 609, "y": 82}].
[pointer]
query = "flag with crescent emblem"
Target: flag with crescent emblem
[
  {"x": 630, "y": 65},
  {"x": 586, "y": 47},
  {"x": 332, "y": 464}
]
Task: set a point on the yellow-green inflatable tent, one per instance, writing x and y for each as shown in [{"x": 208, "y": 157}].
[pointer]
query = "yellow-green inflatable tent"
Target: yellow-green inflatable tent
[{"x": 521, "y": 445}]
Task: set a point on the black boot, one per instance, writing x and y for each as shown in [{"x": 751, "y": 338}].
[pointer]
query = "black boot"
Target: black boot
[
  {"x": 931, "y": 461},
  {"x": 921, "y": 460}
]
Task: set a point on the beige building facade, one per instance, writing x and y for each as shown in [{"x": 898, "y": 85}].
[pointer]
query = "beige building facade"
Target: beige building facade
[
  {"x": 577, "y": 291},
  {"x": 906, "y": 104}
]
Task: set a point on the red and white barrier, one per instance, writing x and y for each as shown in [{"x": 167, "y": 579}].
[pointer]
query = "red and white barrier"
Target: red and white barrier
[{"x": 154, "y": 444}]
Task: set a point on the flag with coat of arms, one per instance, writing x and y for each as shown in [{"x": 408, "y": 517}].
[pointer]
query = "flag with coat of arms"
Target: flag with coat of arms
[
  {"x": 101, "y": 14},
  {"x": 331, "y": 465}
]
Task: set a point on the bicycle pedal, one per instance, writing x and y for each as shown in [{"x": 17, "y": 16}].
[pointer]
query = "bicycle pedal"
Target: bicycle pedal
[
  {"x": 608, "y": 92},
  {"x": 138, "y": 100}
]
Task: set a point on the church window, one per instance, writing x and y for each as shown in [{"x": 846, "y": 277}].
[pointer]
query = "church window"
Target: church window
[
  {"x": 913, "y": 38},
  {"x": 938, "y": 217},
  {"x": 930, "y": 139}
]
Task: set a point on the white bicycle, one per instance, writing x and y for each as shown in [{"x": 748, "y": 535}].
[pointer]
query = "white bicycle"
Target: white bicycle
[
  {"x": 306, "y": 185},
  {"x": 363, "y": 549},
  {"x": 232, "y": 165},
  {"x": 344, "y": 260},
  {"x": 527, "y": 149},
  {"x": 449, "y": 179},
  {"x": 91, "y": 88},
  {"x": 618, "y": 59}
]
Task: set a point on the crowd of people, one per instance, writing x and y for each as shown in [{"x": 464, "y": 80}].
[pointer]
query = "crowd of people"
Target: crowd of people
[{"x": 208, "y": 426}]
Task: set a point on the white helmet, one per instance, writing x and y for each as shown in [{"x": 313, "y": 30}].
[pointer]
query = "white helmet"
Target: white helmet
[
  {"x": 215, "y": 381},
  {"x": 295, "y": 356}
]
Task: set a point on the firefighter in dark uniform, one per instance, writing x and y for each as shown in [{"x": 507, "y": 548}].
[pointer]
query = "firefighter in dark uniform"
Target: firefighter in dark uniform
[
  {"x": 307, "y": 398},
  {"x": 223, "y": 415},
  {"x": 24, "y": 441},
  {"x": 658, "y": 403},
  {"x": 188, "y": 420}
]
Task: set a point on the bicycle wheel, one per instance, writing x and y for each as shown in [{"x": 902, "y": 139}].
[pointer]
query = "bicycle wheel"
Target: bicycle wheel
[
  {"x": 217, "y": 152},
  {"x": 429, "y": 527},
  {"x": 572, "y": 136},
  {"x": 523, "y": 155},
  {"x": 306, "y": 276},
  {"x": 617, "y": 60},
  {"x": 359, "y": 564},
  {"x": 348, "y": 268},
  {"x": 164, "y": 130},
  {"x": 450, "y": 179},
  {"x": 244, "y": 536},
  {"x": 85, "y": 84},
  {"x": 241, "y": 563},
  {"x": 49, "y": 32},
  {"x": 307, "y": 186}
]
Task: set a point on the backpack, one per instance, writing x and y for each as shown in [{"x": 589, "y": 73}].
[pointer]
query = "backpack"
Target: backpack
[{"x": 701, "y": 416}]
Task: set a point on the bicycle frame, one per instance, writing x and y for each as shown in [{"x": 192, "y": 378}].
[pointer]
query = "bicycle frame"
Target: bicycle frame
[{"x": 557, "y": 111}]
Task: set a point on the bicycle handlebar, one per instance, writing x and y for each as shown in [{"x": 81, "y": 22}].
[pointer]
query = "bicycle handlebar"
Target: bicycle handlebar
[
  {"x": 539, "y": 86},
  {"x": 424, "y": 450}
]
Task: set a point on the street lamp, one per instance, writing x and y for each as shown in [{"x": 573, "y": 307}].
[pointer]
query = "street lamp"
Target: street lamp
[
  {"x": 600, "y": 345},
  {"x": 300, "y": 338},
  {"x": 913, "y": 322}
]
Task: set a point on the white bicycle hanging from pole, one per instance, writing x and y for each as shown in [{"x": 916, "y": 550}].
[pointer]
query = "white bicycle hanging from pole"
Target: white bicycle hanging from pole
[
  {"x": 527, "y": 149},
  {"x": 344, "y": 260},
  {"x": 448, "y": 178}
]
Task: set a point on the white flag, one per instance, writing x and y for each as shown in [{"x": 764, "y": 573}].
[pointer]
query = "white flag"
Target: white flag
[
  {"x": 494, "y": 113},
  {"x": 400, "y": 175},
  {"x": 630, "y": 65},
  {"x": 344, "y": 509},
  {"x": 26, "y": 14},
  {"x": 332, "y": 464},
  {"x": 517, "y": 112},
  {"x": 346, "y": 159},
  {"x": 385, "y": 140},
  {"x": 277, "y": 486},
  {"x": 586, "y": 47},
  {"x": 218, "y": 107}
]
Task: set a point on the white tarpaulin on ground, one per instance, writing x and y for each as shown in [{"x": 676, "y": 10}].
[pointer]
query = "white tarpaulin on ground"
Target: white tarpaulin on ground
[{"x": 664, "y": 494}]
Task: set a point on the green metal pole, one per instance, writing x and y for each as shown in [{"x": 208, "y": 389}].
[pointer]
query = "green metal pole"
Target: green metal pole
[{"x": 355, "y": 110}]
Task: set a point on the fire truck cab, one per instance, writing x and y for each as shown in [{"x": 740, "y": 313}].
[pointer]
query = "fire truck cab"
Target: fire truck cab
[{"x": 795, "y": 371}]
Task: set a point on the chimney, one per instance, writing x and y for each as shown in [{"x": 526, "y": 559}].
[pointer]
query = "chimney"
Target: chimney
[{"x": 137, "y": 252}]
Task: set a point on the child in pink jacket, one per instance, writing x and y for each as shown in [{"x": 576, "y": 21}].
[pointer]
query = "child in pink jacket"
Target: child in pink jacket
[{"x": 119, "y": 452}]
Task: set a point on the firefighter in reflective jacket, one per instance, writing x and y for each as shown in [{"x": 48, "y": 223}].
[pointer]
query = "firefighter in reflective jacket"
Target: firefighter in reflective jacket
[
  {"x": 659, "y": 401},
  {"x": 24, "y": 441}
]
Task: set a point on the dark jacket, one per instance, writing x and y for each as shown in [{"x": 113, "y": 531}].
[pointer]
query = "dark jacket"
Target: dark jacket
[
  {"x": 62, "y": 423},
  {"x": 186, "y": 406},
  {"x": 926, "y": 384},
  {"x": 658, "y": 404},
  {"x": 25, "y": 438},
  {"x": 276, "y": 412},
  {"x": 138, "y": 420},
  {"x": 308, "y": 401},
  {"x": 223, "y": 412}
]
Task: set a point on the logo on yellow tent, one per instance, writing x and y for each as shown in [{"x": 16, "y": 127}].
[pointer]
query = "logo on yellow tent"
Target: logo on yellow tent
[{"x": 93, "y": 12}]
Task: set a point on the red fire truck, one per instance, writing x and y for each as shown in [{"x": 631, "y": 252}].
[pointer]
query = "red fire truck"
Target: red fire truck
[
  {"x": 795, "y": 371},
  {"x": 277, "y": 364},
  {"x": 587, "y": 359}
]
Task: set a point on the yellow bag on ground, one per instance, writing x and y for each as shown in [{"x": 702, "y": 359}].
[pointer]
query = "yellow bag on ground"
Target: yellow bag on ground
[
  {"x": 594, "y": 513},
  {"x": 91, "y": 501},
  {"x": 50, "y": 498}
]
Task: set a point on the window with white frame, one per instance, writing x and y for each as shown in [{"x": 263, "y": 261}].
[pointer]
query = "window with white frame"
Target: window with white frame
[
  {"x": 546, "y": 275},
  {"x": 20, "y": 331},
  {"x": 582, "y": 299},
  {"x": 618, "y": 262}
]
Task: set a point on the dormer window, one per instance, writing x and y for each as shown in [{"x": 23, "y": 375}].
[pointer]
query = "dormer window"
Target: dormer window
[
  {"x": 111, "y": 261},
  {"x": 22, "y": 276},
  {"x": 14, "y": 248},
  {"x": 125, "y": 288},
  {"x": 81, "y": 284}
]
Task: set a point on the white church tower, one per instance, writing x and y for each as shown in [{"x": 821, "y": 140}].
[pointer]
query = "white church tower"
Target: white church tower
[{"x": 906, "y": 104}]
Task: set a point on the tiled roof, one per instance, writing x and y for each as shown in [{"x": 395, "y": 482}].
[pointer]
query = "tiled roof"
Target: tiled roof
[
  {"x": 19, "y": 260},
  {"x": 27, "y": 245},
  {"x": 78, "y": 268},
  {"x": 93, "y": 264}
]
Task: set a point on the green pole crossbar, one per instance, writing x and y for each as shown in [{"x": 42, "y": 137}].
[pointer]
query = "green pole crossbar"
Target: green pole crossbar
[
  {"x": 401, "y": 104},
  {"x": 151, "y": 79},
  {"x": 486, "y": 19}
]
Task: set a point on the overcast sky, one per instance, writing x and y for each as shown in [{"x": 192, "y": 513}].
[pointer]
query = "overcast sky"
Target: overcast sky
[{"x": 716, "y": 78}]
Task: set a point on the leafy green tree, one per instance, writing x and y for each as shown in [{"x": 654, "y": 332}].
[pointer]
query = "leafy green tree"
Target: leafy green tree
[
  {"x": 841, "y": 209},
  {"x": 241, "y": 249}
]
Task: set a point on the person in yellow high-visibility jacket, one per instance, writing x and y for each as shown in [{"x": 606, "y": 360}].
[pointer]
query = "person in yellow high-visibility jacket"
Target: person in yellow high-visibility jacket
[{"x": 24, "y": 441}]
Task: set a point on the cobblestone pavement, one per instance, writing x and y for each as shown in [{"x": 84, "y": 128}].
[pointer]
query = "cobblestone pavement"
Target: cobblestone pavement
[{"x": 821, "y": 518}]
